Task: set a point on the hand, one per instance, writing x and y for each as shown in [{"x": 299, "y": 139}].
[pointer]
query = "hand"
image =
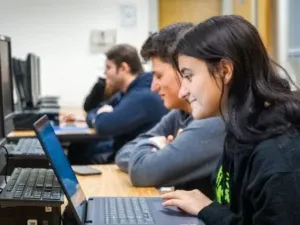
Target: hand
[
  {"x": 105, "y": 108},
  {"x": 68, "y": 118},
  {"x": 171, "y": 138},
  {"x": 168, "y": 140},
  {"x": 191, "y": 202},
  {"x": 179, "y": 132},
  {"x": 159, "y": 141}
]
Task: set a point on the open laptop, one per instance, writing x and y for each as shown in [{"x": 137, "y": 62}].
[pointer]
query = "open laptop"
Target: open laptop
[{"x": 102, "y": 210}]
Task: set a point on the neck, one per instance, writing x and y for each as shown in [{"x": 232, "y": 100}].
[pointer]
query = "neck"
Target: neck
[
  {"x": 186, "y": 107},
  {"x": 127, "y": 81}
]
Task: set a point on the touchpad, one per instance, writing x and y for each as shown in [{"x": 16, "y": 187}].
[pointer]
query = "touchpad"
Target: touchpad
[
  {"x": 170, "y": 210},
  {"x": 172, "y": 215}
]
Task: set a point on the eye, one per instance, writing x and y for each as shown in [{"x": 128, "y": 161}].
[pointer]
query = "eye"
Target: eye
[
  {"x": 187, "y": 76},
  {"x": 157, "y": 76}
]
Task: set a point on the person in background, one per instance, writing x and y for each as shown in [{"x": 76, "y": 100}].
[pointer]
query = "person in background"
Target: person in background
[
  {"x": 161, "y": 157},
  {"x": 100, "y": 92},
  {"x": 227, "y": 71},
  {"x": 133, "y": 110}
]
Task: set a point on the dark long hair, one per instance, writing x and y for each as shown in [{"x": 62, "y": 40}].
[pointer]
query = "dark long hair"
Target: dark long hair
[{"x": 260, "y": 103}]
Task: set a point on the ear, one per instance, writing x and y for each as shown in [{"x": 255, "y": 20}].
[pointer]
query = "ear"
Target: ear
[
  {"x": 226, "y": 70},
  {"x": 124, "y": 67}
]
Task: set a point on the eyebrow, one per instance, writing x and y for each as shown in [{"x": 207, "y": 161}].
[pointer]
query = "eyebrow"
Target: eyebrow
[
  {"x": 156, "y": 73},
  {"x": 184, "y": 70}
]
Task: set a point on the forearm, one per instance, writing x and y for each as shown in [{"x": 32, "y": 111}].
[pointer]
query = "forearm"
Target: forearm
[{"x": 185, "y": 159}]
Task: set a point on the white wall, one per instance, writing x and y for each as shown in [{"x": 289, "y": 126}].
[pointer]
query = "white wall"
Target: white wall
[{"x": 58, "y": 31}]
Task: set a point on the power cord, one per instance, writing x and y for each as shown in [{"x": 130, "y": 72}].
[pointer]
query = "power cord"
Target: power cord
[{"x": 6, "y": 168}]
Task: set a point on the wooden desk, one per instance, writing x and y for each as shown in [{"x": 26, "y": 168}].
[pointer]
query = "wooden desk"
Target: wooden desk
[{"x": 112, "y": 183}]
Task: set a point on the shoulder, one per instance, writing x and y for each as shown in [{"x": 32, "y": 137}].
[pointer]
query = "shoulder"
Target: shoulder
[
  {"x": 175, "y": 113},
  {"x": 213, "y": 124},
  {"x": 143, "y": 94},
  {"x": 277, "y": 154}
]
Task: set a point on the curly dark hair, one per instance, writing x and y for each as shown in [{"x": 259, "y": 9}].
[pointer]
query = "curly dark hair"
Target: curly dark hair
[{"x": 162, "y": 43}]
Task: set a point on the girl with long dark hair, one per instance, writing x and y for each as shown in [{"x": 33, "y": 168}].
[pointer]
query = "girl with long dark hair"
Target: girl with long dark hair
[{"x": 226, "y": 71}]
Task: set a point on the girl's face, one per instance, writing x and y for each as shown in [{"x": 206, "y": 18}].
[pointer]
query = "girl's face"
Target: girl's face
[{"x": 200, "y": 88}]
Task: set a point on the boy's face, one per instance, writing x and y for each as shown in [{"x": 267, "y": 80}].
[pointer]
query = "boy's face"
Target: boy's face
[
  {"x": 166, "y": 83},
  {"x": 113, "y": 76}
]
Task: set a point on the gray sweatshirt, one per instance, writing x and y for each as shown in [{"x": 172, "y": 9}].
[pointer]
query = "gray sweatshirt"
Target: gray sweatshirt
[
  {"x": 169, "y": 125},
  {"x": 191, "y": 156}
]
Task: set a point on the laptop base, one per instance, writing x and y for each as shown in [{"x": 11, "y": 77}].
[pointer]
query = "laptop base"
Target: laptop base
[{"x": 160, "y": 215}]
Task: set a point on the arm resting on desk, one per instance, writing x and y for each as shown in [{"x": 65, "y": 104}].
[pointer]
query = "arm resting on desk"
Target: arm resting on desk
[
  {"x": 128, "y": 115},
  {"x": 91, "y": 116},
  {"x": 192, "y": 155},
  {"x": 163, "y": 128}
]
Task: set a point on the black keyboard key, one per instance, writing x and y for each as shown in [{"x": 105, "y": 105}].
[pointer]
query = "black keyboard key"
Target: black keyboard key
[
  {"x": 48, "y": 186},
  {"x": 47, "y": 195},
  {"x": 27, "y": 195},
  {"x": 56, "y": 197},
  {"x": 17, "y": 194},
  {"x": 20, "y": 187}
]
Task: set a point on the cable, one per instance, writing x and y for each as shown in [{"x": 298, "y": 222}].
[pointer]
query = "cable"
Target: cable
[{"x": 6, "y": 157}]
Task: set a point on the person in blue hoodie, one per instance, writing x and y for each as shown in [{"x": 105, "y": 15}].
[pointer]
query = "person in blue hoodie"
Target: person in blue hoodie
[{"x": 133, "y": 110}]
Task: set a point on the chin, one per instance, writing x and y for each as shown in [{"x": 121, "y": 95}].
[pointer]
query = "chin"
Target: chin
[
  {"x": 169, "y": 105},
  {"x": 197, "y": 115}
]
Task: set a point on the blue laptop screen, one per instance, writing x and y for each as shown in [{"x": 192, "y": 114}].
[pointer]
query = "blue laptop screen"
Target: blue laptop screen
[{"x": 61, "y": 166}]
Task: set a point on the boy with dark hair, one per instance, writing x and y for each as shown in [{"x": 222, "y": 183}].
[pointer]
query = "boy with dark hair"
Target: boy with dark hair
[{"x": 160, "y": 156}]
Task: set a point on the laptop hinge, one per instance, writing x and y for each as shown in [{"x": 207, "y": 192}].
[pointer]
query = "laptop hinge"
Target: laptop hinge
[
  {"x": 87, "y": 213},
  {"x": 84, "y": 211}
]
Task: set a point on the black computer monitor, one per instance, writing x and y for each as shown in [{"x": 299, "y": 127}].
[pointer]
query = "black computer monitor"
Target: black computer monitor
[
  {"x": 18, "y": 68},
  {"x": 32, "y": 80},
  {"x": 35, "y": 81},
  {"x": 6, "y": 84},
  {"x": 38, "y": 77}
]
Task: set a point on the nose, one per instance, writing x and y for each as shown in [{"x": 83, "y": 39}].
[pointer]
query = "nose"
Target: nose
[
  {"x": 183, "y": 92},
  {"x": 154, "y": 85}
]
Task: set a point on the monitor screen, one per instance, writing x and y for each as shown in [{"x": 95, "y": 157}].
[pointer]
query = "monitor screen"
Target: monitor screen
[
  {"x": 6, "y": 78},
  {"x": 61, "y": 166}
]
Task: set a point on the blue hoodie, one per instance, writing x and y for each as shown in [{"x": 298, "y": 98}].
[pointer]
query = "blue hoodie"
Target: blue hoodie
[{"x": 135, "y": 111}]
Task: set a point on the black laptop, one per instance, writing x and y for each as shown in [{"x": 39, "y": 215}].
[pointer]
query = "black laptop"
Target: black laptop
[{"x": 104, "y": 210}]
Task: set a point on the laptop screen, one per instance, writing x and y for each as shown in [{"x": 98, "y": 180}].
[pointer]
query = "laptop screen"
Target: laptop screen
[{"x": 61, "y": 166}]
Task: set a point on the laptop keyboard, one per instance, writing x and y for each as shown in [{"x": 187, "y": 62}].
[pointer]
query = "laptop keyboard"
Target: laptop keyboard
[
  {"x": 27, "y": 146},
  {"x": 127, "y": 211},
  {"x": 27, "y": 183}
]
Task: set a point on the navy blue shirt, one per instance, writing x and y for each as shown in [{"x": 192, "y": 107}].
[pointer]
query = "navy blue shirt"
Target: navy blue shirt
[{"x": 135, "y": 111}]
